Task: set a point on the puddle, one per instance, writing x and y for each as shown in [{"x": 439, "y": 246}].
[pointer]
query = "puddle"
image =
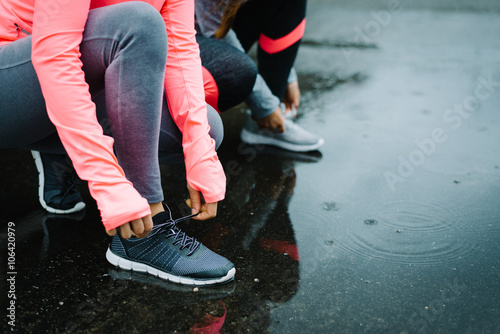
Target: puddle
[
  {"x": 411, "y": 233},
  {"x": 321, "y": 83},
  {"x": 320, "y": 243},
  {"x": 338, "y": 44}
]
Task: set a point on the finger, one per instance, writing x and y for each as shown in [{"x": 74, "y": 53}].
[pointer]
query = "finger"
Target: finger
[
  {"x": 295, "y": 99},
  {"x": 208, "y": 210},
  {"x": 293, "y": 110},
  {"x": 296, "y": 103},
  {"x": 125, "y": 231},
  {"x": 195, "y": 200},
  {"x": 279, "y": 127},
  {"x": 202, "y": 216},
  {"x": 148, "y": 226},
  {"x": 278, "y": 122},
  {"x": 282, "y": 127},
  {"x": 263, "y": 123},
  {"x": 137, "y": 226},
  {"x": 212, "y": 209},
  {"x": 111, "y": 232}
]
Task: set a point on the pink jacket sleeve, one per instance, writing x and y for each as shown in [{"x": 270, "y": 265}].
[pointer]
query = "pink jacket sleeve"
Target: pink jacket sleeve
[
  {"x": 186, "y": 101},
  {"x": 55, "y": 55}
]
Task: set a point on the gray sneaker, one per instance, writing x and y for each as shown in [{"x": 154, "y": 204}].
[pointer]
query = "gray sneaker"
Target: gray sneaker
[{"x": 293, "y": 139}]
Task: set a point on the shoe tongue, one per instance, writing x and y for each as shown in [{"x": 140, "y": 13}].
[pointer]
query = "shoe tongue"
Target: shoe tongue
[{"x": 161, "y": 218}]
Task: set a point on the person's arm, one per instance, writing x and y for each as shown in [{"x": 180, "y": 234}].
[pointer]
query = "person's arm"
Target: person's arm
[
  {"x": 55, "y": 55},
  {"x": 186, "y": 102}
]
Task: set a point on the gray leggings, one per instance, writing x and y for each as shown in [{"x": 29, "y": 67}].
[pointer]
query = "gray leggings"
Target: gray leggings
[{"x": 124, "y": 82}]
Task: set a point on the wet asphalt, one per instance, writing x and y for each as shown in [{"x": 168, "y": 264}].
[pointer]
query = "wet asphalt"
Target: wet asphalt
[{"x": 393, "y": 226}]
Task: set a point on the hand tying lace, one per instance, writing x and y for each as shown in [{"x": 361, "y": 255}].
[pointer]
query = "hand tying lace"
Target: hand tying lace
[{"x": 171, "y": 230}]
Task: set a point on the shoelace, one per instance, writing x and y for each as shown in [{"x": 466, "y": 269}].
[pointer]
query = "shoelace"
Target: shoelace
[
  {"x": 70, "y": 181},
  {"x": 171, "y": 230},
  {"x": 291, "y": 124}
]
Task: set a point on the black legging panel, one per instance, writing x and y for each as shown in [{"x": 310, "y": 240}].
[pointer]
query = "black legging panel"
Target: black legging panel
[{"x": 274, "y": 19}]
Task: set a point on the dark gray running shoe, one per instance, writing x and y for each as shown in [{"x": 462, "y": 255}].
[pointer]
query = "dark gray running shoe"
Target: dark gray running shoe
[
  {"x": 167, "y": 252},
  {"x": 56, "y": 184}
]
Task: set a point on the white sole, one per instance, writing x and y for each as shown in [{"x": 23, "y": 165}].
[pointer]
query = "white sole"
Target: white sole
[
  {"x": 41, "y": 182},
  {"x": 144, "y": 268},
  {"x": 254, "y": 139}
]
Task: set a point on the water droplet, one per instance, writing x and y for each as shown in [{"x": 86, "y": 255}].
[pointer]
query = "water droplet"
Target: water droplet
[
  {"x": 330, "y": 206},
  {"x": 411, "y": 245},
  {"x": 371, "y": 222}
]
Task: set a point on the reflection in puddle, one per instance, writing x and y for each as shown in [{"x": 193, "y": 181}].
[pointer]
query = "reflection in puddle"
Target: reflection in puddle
[
  {"x": 262, "y": 240},
  {"x": 186, "y": 292}
]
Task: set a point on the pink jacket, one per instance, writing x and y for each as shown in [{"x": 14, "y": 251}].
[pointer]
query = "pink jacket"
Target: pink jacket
[{"x": 56, "y": 27}]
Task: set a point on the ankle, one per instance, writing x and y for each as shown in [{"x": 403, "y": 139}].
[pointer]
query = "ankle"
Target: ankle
[{"x": 156, "y": 208}]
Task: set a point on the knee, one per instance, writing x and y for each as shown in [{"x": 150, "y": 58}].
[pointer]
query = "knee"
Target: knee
[
  {"x": 141, "y": 22},
  {"x": 216, "y": 126},
  {"x": 247, "y": 74},
  {"x": 237, "y": 80},
  {"x": 138, "y": 13}
]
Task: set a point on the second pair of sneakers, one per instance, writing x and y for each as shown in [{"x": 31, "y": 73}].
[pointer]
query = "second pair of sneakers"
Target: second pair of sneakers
[{"x": 294, "y": 138}]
